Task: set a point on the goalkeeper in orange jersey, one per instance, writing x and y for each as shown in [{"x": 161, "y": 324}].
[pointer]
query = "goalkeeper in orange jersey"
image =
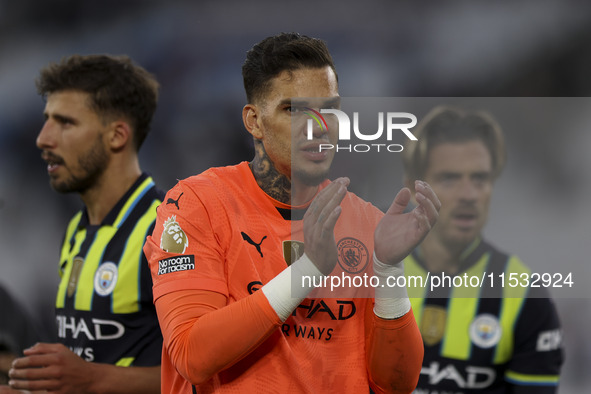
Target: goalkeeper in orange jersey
[{"x": 226, "y": 250}]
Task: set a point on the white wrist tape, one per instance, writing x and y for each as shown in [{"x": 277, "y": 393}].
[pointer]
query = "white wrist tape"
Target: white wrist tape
[
  {"x": 286, "y": 291},
  {"x": 391, "y": 301}
]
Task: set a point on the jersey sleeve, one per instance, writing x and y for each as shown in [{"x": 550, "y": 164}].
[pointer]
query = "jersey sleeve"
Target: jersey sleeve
[
  {"x": 538, "y": 352},
  {"x": 394, "y": 352},
  {"x": 191, "y": 319},
  {"x": 184, "y": 250}
]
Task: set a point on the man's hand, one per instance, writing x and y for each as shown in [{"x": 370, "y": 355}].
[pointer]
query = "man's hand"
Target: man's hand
[
  {"x": 51, "y": 367},
  {"x": 399, "y": 233},
  {"x": 319, "y": 222}
]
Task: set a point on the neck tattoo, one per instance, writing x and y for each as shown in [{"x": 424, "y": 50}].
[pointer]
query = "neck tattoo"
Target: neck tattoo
[{"x": 275, "y": 184}]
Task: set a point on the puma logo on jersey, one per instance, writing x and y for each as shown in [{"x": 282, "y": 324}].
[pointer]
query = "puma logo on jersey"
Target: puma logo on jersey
[
  {"x": 250, "y": 241},
  {"x": 175, "y": 202}
]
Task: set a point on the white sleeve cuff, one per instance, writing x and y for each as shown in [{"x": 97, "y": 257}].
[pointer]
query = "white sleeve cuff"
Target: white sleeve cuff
[
  {"x": 391, "y": 301},
  {"x": 286, "y": 291}
]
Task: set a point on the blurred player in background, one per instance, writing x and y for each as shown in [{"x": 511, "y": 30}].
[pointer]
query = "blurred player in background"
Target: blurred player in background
[
  {"x": 97, "y": 114},
  {"x": 489, "y": 340},
  {"x": 225, "y": 253},
  {"x": 17, "y": 332}
]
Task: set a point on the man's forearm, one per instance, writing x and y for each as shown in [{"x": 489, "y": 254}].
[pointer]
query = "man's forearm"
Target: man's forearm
[{"x": 394, "y": 353}]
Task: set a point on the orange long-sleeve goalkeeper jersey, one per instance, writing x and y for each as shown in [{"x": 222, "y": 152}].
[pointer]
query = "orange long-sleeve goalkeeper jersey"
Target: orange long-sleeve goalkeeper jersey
[{"x": 219, "y": 233}]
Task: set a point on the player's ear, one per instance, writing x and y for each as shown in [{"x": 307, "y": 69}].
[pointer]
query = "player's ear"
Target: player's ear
[
  {"x": 120, "y": 134},
  {"x": 252, "y": 120}
]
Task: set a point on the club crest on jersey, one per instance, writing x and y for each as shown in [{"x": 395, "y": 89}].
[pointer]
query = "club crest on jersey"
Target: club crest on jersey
[
  {"x": 352, "y": 255},
  {"x": 485, "y": 331},
  {"x": 173, "y": 239},
  {"x": 292, "y": 250},
  {"x": 433, "y": 323},
  {"x": 105, "y": 278}
]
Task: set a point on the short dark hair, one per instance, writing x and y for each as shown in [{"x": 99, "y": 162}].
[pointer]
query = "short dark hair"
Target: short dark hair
[
  {"x": 445, "y": 124},
  {"x": 284, "y": 51},
  {"x": 115, "y": 84}
]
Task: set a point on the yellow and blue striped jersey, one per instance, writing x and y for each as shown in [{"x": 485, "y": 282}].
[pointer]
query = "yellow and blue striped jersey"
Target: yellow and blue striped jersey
[
  {"x": 481, "y": 338},
  {"x": 104, "y": 307}
]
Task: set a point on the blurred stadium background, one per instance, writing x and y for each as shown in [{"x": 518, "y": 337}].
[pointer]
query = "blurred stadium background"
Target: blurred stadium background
[{"x": 381, "y": 48}]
